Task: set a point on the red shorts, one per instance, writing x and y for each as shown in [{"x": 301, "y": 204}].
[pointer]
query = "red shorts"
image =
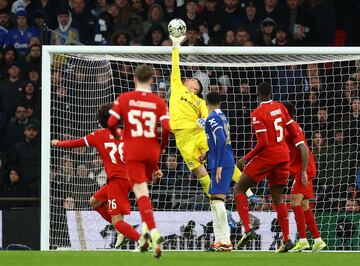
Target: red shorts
[
  {"x": 299, "y": 188},
  {"x": 259, "y": 168},
  {"x": 140, "y": 171},
  {"x": 116, "y": 195}
]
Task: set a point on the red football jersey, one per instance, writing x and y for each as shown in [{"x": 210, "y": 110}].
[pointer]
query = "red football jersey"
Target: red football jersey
[
  {"x": 141, "y": 111},
  {"x": 295, "y": 154},
  {"x": 110, "y": 151},
  {"x": 272, "y": 117}
]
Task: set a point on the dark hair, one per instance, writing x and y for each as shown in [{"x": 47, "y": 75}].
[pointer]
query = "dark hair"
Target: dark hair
[
  {"x": 201, "y": 88},
  {"x": 144, "y": 73},
  {"x": 103, "y": 114},
  {"x": 290, "y": 107},
  {"x": 264, "y": 89},
  {"x": 213, "y": 98}
]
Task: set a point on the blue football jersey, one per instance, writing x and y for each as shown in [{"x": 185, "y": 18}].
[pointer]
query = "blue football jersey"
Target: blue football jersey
[{"x": 218, "y": 135}]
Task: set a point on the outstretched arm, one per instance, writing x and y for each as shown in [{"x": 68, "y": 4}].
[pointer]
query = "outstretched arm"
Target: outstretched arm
[
  {"x": 176, "y": 84},
  {"x": 69, "y": 143}
]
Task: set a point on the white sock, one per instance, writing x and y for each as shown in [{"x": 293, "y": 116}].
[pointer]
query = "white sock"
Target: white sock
[
  {"x": 317, "y": 240},
  {"x": 215, "y": 222},
  {"x": 302, "y": 240},
  {"x": 249, "y": 193},
  {"x": 224, "y": 234}
]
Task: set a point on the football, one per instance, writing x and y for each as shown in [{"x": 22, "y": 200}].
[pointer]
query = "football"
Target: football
[{"x": 177, "y": 27}]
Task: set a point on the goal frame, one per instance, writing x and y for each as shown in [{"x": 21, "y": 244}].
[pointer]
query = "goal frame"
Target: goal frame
[{"x": 48, "y": 50}]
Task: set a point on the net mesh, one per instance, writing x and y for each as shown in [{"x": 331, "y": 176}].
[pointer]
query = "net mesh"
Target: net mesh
[{"x": 324, "y": 89}]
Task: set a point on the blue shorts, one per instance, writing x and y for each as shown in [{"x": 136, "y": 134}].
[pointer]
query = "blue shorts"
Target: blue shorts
[{"x": 223, "y": 187}]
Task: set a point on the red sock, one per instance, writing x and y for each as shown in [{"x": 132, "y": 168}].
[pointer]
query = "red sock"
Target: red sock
[
  {"x": 127, "y": 230},
  {"x": 311, "y": 223},
  {"x": 146, "y": 211},
  {"x": 242, "y": 207},
  {"x": 283, "y": 218},
  {"x": 103, "y": 211},
  {"x": 300, "y": 221}
]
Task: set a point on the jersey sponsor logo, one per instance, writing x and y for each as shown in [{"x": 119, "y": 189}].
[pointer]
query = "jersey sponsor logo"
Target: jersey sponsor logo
[
  {"x": 142, "y": 104},
  {"x": 193, "y": 106},
  {"x": 276, "y": 112},
  {"x": 18, "y": 45},
  {"x": 191, "y": 164}
]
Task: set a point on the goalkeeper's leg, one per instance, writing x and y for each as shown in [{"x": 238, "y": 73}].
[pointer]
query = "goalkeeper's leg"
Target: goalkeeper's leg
[{"x": 203, "y": 177}]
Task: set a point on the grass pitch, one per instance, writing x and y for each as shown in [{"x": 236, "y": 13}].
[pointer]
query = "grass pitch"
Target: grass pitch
[{"x": 113, "y": 258}]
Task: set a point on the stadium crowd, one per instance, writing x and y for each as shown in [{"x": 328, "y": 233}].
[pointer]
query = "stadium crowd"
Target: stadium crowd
[{"x": 328, "y": 107}]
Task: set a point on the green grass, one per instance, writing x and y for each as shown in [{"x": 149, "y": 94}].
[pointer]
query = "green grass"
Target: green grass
[{"x": 111, "y": 258}]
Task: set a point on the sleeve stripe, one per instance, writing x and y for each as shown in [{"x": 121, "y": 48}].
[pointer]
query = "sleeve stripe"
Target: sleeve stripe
[
  {"x": 300, "y": 142},
  {"x": 290, "y": 121},
  {"x": 260, "y": 130},
  {"x": 164, "y": 117},
  {"x": 86, "y": 142},
  {"x": 113, "y": 113},
  {"x": 217, "y": 128}
]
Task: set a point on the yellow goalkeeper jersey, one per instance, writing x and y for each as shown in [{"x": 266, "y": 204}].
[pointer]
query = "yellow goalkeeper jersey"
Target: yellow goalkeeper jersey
[{"x": 185, "y": 107}]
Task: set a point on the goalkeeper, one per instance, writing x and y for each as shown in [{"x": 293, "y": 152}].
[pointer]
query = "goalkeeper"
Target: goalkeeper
[{"x": 188, "y": 112}]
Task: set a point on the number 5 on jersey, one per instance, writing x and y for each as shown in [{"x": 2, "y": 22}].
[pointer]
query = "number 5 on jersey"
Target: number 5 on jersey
[{"x": 145, "y": 123}]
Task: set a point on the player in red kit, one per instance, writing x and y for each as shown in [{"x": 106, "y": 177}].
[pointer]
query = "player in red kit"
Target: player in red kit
[
  {"x": 270, "y": 158},
  {"x": 110, "y": 201},
  {"x": 141, "y": 112},
  {"x": 303, "y": 171}
]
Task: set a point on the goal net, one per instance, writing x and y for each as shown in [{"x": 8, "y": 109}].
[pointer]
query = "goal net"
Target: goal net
[{"x": 324, "y": 88}]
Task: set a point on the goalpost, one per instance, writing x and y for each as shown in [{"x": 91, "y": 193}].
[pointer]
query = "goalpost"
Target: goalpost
[{"x": 323, "y": 83}]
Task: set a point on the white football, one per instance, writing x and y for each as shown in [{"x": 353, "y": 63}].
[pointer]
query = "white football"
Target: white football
[{"x": 177, "y": 27}]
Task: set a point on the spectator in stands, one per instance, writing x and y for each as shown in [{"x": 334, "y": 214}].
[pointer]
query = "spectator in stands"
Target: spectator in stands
[
  {"x": 229, "y": 39},
  {"x": 125, "y": 13},
  {"x": 33, "y": 74},
  {"x": 231, "y": 17},
  {"x": 318, "y": 145},
  {"x": 33, "y": 56},
  {"x": 4, "y": 21},
  {"x": 252, "y": 22},
  {"x": 83, "y": 21},
  {"x": 104, "y": 28},
  {"x": 30, "y": 96},
  {"x": 121, "y": 37},
  {"x": 49, "y": 9},
  {"x": 155, "y": 17},
  {"x": 32, "y": 117},
  {"x": 267, "y": 28},
  {"x": 84, "y": 186},
  {"x": 272, "y": 9},
  {"x": 99, "y": 7},
  {"x": 26, "y": 154},
  {"x": 241, "y": 36},
  {"x": 155, "y": 36},
  {"x": 352, "y": 205},
  {"x": 138, "y": 9},
  {"x": 9, "y": 58},
  {"x": 190, "y": 15},
  {"x": 344, "y": 97},
  {"x": 135, "y": 29},
  {"x": 322, "y": 122},
  {"x": 15, "y": 128},
  {"x": 97, "y": 171},
  {"x": 352, "y": 122},
  {"x": 14, "y": 186},
  {"x": 20, "y": 35},
  {"x": 281, "y": 37},
  {"x": 301, "y": 26},
  {"x": 69, "y": 203},
  {"x": 211, "y": 17},
  {"x": 11, "y": 90},
  {"x": 193, "y": 37},
  {"x": 64, "y": 34}
]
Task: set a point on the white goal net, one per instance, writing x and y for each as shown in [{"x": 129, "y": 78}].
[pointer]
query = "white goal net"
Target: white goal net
[{"x": 324, "y": 89}]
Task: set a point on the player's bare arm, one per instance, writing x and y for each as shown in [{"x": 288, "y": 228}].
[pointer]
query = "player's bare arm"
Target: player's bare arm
[{"x": 305, "y": 161}]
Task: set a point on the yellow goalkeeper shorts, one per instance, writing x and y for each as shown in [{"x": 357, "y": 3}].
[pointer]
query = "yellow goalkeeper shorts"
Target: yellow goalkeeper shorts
[{"x": 191, "y": 145}]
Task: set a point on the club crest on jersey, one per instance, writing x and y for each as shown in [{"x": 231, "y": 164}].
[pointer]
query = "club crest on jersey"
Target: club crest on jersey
[
  {"x": 254, "y": 121},
  {"x": 191, "y": 164},
  {"x": 197, "y": 103}
]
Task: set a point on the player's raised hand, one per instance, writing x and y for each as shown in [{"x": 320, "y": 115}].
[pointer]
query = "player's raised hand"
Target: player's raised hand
[
  {"x": 304, "y": 179},
  {"x": 218, "y": 174},
  {"x": 55, "y": 142},
  {"x": 177, "y": 41},
  {"x": 241, "y": 164}
]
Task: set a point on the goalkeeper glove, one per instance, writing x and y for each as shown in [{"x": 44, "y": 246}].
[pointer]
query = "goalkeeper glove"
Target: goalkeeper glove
[
  {"x": 201, "y": 123},
  {"x": 177, "y": 41}
]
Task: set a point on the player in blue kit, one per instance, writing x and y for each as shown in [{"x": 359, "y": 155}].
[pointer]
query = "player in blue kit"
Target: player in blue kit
[{"x": 221, "y": 165}]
